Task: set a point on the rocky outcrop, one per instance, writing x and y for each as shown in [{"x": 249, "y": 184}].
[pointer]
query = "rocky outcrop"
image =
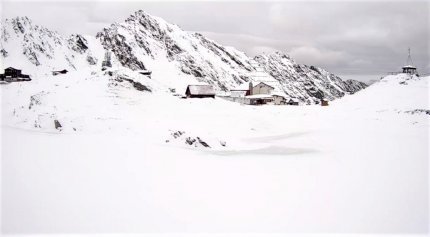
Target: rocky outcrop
[
  {"x": 143, "y": 37},
  {"x": 308, "y": 84},
  {"x": 23, "y": 40}
]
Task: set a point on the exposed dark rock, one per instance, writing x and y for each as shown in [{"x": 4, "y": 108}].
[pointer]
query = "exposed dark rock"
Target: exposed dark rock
[
  {"x": 4, "y": 53},
  {"x": 308, "y": 84},
  {"x": 353, "y": 86},
  {"x": 78, "y": 43},
  {"x": 91, "y": 60},
  {"x": 177, "y": 134},
  {"x": 57, "y": 125},
  {"x": 196, "y": 142},
  {"x": 139, "y": 86},
  {"x": 190, "y": 141},
  {"x": 419, "y": 111},
  {"x": 203, "y": 143}
]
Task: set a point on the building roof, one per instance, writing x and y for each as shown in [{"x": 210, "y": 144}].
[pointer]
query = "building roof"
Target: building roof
[
  {"x": 264, "y": 84},
  {"x": 241, "y": 87},
  {"x": 11, "y": 68},
  {"x": 409, "y": 66},
  {"x": 237, "y": 93},
  {"x": 201, "y": 89},
  {"x": 278, "y": 94},
  {"x": 259, "y": 96}
]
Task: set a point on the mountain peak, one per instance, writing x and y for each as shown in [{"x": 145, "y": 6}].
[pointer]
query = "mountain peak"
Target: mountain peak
[
  {"x": 22, "y": 41},
  {"x": 20, "y": 23},
  {"x": 146, "y": 42},
  {"x": 142, "y": 13},
  {"x": 138, "y": 15},
  {"x": 24, "y": 25},
  {"x": 143, "y": 16},
  {"x": 21, "y": 19}
]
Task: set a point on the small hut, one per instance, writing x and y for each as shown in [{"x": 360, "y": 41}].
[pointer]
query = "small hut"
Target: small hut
[
  {"x": 409, "y": 68},
  {"x": 200, "y": 91},
  {"x": 292, "y": 101},
  {"x": 324, "y": 102}
]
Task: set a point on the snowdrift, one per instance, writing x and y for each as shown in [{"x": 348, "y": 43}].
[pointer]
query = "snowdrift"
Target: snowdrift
[{"x": 135, "y": 161}]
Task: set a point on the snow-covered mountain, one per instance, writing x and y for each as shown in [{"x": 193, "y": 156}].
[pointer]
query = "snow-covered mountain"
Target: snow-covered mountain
[
  {"x": 176, "y": 57},
  {"x": 35, "y": 48},
  {"x": 142, "y": 39},
  {"x": 306, "y": 82}
]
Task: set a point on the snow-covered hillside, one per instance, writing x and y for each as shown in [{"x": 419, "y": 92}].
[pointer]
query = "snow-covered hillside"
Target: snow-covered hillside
[
  {"x": 38, "y": 50},
  {"x": 176, "y": 58},
  {"x": 306, "y": 83},
  {"x": 134, "y": 161},
  {"x": 143, "y": 38}
]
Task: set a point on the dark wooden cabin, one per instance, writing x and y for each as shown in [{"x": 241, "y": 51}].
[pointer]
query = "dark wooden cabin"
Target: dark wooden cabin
[
  {"x": 13, "y": 74},
  {"x": 324, "y": 102},
  {"x": 292, "y": 101},
  {"x": 409, "y": 69}
]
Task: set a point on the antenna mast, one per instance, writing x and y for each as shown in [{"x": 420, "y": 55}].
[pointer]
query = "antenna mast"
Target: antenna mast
[{"x": 409, "y": 60}]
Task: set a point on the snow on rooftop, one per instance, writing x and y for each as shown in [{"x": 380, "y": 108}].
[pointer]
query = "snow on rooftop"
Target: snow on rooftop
[
  {"x": 241, "y": 87},
  {"x": 293, "y": 99},
  {"x": 265, "y": 83},
  {"x": 201, "y": 89},
  {"x": 278, "y": 94},
  {"x": 259, "y": 96}
]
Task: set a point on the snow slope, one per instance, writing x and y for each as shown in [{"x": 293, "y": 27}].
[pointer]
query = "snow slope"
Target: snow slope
[
  {"x": 143, "y": 38},
  {"x": 123, "y": 160},
  {"x": 306, "y": 83}
]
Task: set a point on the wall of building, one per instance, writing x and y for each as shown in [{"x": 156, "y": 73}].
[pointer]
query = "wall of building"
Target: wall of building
[
  {"x": 241, "y": 100},
  {"x": 238, "y": 93},
  {"x": 278, "y": 100}
]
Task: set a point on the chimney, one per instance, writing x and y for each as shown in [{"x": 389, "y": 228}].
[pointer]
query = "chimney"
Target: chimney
[{"x": 250, "y": 88}]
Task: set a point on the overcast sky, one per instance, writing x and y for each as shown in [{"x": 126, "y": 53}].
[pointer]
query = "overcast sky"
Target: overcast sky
[{"x": 354, "y": 39}]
